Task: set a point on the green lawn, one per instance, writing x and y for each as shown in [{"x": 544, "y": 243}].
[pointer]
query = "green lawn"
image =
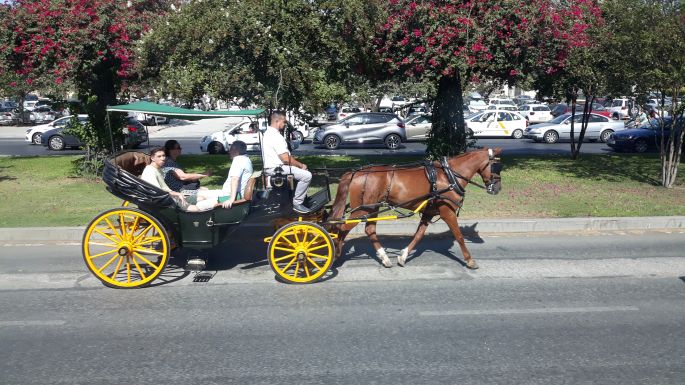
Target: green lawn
[{"x": 42, "y": 192}]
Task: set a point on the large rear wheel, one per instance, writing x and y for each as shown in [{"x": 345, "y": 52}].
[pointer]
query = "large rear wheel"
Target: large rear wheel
[
  {"x": 125, "y": 247},
  {"x": 301, "y": 252}
]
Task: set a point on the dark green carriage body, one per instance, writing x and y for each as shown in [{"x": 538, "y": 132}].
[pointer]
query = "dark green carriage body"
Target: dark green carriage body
[{"x": 201, "y": 230}]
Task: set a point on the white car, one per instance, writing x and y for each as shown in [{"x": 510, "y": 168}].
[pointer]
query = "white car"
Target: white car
[
  {"x": 536, "y": 113},
  {"x": 347, "y": 111},
  {"x": 418, "y": 127},
  {"x": 503, "y": 107},
  {"x": 501, "y": 101},
  {"x": 34, "y": 133},
  {"x": 496, "y": 123},
  {"x": 247, "y": 131},
  {"x": 621, "y": 108},
  {"x": 219, "y": 141},
  {"x": 150, "y": 120},
  {"x": 477, "y": 105},
  {"x": 599, "y": 128}
]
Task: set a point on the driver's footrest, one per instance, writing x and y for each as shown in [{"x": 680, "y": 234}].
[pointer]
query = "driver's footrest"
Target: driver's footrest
[
  {"x": 317, "y": 201},
  {"x": 196, "y": 264}
]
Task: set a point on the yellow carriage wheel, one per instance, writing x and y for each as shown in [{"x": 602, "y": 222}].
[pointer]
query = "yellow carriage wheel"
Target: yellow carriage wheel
[
  {"x": 301, "y": 252},
  {"x": 125, "y": 247}
]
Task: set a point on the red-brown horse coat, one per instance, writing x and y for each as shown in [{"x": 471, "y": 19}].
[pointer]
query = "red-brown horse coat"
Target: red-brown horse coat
[{"x": 396, "y": 185}]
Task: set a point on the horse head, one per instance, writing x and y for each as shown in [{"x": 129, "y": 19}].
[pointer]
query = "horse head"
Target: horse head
[{"x": 490, "y": 169}]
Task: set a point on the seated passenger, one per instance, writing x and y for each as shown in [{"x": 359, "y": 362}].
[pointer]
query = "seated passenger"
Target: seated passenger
[
  {"x": 153, "y": 174},
  {"x": 234, "y": 187},
  {"x": 175, "y": 178}
]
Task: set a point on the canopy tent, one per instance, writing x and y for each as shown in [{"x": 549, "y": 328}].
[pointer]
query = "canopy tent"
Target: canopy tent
[{"x": 180, "y": 113}]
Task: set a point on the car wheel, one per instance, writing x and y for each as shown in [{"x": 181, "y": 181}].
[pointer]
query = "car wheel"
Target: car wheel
[
  {"x": 551, "y": 137},
  {"x": 393, "y": 141},
  {"x": 331, "y": 142},
  {"x": 604, "y": 136},
  {"x": 517, "y": 134},
  {"x": 56, "y": 143},
  {"x": 641, "y": 146},
  {"x": 35, "y": 139},
  {"x": 469, "y": 133},
  {"x": 298, "y": 136},
  {"x": 215, "y": 148}
]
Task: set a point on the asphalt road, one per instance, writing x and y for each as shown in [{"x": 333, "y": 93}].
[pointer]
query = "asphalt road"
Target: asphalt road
[
  {"x": 12, "y": 143},
  {"x": 604, "y": 308}
]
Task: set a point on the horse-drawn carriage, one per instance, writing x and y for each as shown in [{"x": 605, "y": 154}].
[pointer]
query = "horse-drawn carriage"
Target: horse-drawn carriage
[{"x": 129, "y": 246}]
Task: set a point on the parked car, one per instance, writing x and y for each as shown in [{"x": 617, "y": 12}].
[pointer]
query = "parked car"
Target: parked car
[
  {"x": 501, "y": 101},
  {"x": 55, "y": 139},
  {"x": 496, "y": 123},
  {"x": 218, "y": 142},
  {"x": 599, "y": 128},
  {"x": 366, "y": 127},
  {"x": 644, "y": 138},
  {"x": 501, "y": 107},
  {"x": 535, "y": 113},
  {"x": 347, "y": 111},
  {"x": 523, "y": 99},
  {"x": 416, "y": 110},
  {"x": 34, "y": 134},
  {"x": 477, "y": 105},
  {"x": 418, "y": 127},
  {"x": 8, "y": 116},
  {"x": 398, "y": 101},
  {"x": 43, "y": 114},
  {"x": 563, "y": 108},
  {"x": 622, "y": 108},
  {"x": 150, "y": 120}
]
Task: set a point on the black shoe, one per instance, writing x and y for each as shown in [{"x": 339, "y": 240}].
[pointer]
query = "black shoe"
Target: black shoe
[{"x": 302, "y": 209}]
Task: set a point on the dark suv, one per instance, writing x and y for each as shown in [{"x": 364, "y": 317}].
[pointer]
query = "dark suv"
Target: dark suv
[{"x": 366, "y": 127}]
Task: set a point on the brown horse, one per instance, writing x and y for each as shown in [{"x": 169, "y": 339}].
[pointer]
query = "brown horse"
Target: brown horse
[{"x": 409, "y": 187}]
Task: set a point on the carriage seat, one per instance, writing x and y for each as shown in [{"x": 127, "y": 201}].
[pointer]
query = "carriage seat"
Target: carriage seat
[
  {"x": 249, "y": 188},
  {"x": 132, "y": 161}
]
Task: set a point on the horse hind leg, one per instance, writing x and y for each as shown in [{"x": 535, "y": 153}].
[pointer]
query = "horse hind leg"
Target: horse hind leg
[
  {"x": 450, "y": 217},
  {"x": 380, "y": 251}
]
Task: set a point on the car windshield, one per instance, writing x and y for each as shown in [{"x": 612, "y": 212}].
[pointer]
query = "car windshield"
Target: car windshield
[
  {"x": 617, "y": 103},
  {"x": 560, "y": 119}
]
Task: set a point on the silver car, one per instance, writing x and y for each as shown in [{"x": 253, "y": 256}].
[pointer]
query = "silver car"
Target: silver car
[
  {"x": 418, "y": 127},
  {"x": 599, "y": 128},
  {"x": 366, "y": 127}
]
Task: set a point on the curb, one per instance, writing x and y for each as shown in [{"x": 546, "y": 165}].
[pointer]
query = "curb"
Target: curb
[{"x": 468, "y": 227}]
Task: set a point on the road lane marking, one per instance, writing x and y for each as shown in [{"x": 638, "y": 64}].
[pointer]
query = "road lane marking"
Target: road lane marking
[
  {"x": 33, "y": 323},
  {"x": 543, "y": 310}
]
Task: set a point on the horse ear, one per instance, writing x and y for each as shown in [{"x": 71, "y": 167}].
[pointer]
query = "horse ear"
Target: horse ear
[{"x": 497, "y": 150}]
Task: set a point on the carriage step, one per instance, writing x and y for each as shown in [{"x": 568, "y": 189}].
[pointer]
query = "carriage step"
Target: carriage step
[{"x": 196, "y": 264}]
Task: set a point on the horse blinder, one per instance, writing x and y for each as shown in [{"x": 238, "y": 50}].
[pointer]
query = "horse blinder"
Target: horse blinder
[{"x": 494, "y": 185}]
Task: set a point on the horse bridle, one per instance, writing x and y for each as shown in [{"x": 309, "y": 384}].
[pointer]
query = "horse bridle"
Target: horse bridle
[{"x": 495, "y": 171}]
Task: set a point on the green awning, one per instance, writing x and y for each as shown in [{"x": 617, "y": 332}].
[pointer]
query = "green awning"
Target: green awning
[{"x": 181, "y": 113}]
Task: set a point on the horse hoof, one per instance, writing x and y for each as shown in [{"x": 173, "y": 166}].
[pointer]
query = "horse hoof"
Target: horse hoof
[
  {"x": 471, "y": 264},
  {"x": 386, "y": 263},
  {"x": 402, "y": 258}
]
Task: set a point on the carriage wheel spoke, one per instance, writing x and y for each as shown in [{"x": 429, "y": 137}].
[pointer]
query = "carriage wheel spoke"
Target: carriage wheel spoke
[
  {"x": 297, "y": 268},
  {"x": 297, "y": 240},
  {"x": 142, "y": 233},
  {"x": 318, "y": 247},
  {"x": 101, "y": 254},
  {"x": 108, "y": 263},
  {"x": 113, "y": 228},
  {"x": 149, "y": 240},
  {"x": 291, "y": 255},
  {"x": 128, "y": 271},
  {"x": 312, "y": 241},
  {"x": 116, "y": 271},
  {"x": 148, "y": 251},
  {"x": 306, "y": 269},
  {"x": 142, "y": 275},
  {"x": 106, "y": 235},
  {"x": 314, "y": 263},
  {"x": 289, "y": 264},
  {"x": 122, "y": 224},
  {"x": 145, "y": 260},
  {"x": 319, "y": 255},
  {"x": 134, "y": 227},
  {"x": 284, "y": 249},
  {"x": 104, "y": 244},
  {"x": 304, "y": 236},
  {"x": 285, "y": 237}
]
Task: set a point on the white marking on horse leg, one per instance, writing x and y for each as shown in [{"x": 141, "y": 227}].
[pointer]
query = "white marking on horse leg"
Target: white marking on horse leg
[
  {"x": 402, "y": 258},
  {"x": 380, "y": 253}
]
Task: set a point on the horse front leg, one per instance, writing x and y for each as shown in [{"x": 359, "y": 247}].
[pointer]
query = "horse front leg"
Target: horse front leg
[
  {"x": 380, "y": 251},
  {"x": 418, "y": 236},
  {"x": 450, "y": 217}
]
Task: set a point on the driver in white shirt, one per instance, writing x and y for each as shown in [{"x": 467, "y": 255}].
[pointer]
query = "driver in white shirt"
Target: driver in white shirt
[{"x": 276, "y": 154}]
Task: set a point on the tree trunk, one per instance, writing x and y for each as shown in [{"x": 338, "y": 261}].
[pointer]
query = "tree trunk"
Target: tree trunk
[
  {"x": 448, "y": 132},
  {"x": 671, "y": 147}
]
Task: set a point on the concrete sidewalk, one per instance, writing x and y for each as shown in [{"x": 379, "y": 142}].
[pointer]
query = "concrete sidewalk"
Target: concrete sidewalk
[{"x": 468, "y": 227}]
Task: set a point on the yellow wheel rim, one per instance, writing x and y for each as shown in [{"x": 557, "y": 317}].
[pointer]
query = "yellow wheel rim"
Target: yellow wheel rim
[
  {"x": 301, "y": 252},
  {"x": 125, "y": 248}
]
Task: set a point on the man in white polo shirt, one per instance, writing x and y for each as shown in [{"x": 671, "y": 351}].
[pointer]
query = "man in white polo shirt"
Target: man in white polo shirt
[{"x": 276, "y": 154}]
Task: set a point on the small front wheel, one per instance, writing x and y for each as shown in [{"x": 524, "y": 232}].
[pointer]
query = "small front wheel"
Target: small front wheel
[
  {"x": 301, "y": 252},
  {"x": 551, "y": 137}
]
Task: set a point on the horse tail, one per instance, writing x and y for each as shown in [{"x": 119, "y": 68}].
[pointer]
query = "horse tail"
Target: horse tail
[{"x": 341, "y": 196}]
